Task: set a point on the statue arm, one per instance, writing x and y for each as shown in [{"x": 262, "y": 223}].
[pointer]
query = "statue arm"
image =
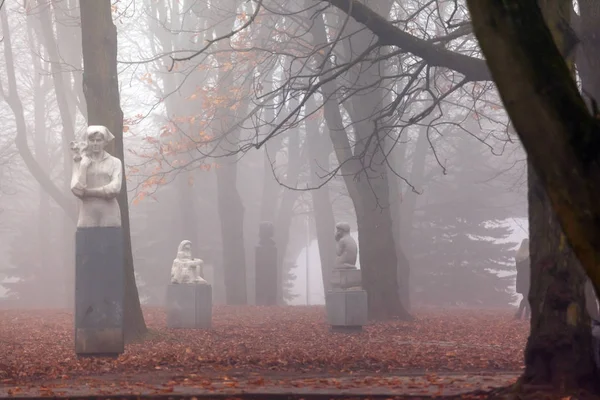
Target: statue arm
[
  {"x": 341, "y": 247},
  {"x": 79, "y": 180},
  {"x": 113, "y": 188}
]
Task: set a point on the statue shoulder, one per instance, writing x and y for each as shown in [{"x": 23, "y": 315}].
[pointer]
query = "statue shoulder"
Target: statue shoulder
[{"x": 115, "y": 160}]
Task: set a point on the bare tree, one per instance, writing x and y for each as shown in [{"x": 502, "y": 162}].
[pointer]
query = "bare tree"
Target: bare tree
[
  {"x": 560, "y": 137},
  {"x": 101, "y": 89}
]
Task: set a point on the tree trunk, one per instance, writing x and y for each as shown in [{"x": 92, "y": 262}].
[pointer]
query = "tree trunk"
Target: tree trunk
[
  {"x": 51, "y": 283},
  {"x": 101, "y": 90},
  {"x": 319, "y": 149},
  {"x": 380, "y": 257},
  {"x": 541, "y": 98},
  {"x": 588, "y": 65},
  {"x": 559, "y": 348},
  {"x": 68, "y": 34},
  {"x": 403, "y": 271},
  {"x": 230, "y": 204},
  {"x": 285, "y": 213},
  {"x": 231, "y": 215},
  {"x": 370, "y": 197}
]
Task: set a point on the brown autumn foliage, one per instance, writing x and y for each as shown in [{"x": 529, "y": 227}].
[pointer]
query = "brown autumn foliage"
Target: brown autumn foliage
[{"x": 38, "y": 345}]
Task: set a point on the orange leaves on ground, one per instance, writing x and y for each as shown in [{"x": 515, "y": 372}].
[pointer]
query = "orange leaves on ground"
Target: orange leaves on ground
[{"x": 39, "y": 344}]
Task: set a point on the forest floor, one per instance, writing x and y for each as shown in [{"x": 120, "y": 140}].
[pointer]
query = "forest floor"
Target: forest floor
[{"x": 259, "y": 351}]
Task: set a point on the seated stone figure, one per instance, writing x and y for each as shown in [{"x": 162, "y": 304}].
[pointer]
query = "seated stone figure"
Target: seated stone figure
[
  {"x": 186, "y": 269},
  {"x": 347, "y": 250},
  {"x": 345, "y": 275}
]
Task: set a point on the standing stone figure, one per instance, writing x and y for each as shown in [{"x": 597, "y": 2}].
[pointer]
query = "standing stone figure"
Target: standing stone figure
[
  {"x": 99, "y": 266},
  {"x": 189, "y": 296},
  {"x": 186, "y": 269},
  {"x": 346, "y": 302},
  {"x": 523, "y": 279},
  {"x": 266, "y": 269},
  {"x": 97, "y": 179}
]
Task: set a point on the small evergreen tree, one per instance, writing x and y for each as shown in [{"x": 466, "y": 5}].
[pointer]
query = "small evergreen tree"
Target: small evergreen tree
[{"x": 459, "y": 241}]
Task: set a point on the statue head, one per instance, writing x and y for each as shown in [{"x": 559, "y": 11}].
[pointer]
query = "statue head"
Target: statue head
[
  {"x": 341, "y": 229},
  {"x": 97, "y": 137},
  {"x": 184, "y": 251}
]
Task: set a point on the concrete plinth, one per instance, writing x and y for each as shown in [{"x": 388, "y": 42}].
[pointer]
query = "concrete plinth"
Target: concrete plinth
[
  {"x": 189, "y": 306},
  {"x": 99, "y": 292},
  {"x": 346, "y": 310},
  {"x": 266, "y": 275},
  {"x": 345, "y": 278}
]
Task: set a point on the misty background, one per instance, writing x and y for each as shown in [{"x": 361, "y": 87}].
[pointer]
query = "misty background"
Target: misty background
[{"x": 460, "y": 187}]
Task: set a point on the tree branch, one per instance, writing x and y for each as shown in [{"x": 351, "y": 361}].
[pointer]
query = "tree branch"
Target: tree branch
[{"x": 474, "y": 69}]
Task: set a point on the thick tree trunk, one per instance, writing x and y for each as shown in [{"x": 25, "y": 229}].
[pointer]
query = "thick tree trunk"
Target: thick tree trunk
[
  {"x": 559, "y": 348},
  {"x": 541, "y": 98},
  {"x": 231, "y": 215},
  {"x": 369, "y": 194},
  {"x": 545, "y": 106},
  {"x": 588, "y": 65},
  {"x": 231, "y": 206},
  {"x": 380, "y": 257},
  {"x": 101, "y": 90}
]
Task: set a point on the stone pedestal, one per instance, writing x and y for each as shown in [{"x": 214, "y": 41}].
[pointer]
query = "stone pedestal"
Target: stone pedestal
[
  {"x": 266, "y": 275},
  {"x": 345, "y": 278},
  {"x": 99, "y": 291},
  {"x": 189, "y": 306},
  {"x": 346, "y": 310}
]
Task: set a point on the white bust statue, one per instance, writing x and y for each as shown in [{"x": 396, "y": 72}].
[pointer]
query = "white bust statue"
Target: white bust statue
[
  {"x": 346, "y": 250},
  {"x": 186, "y": 269},
  {"x": 97, "y": 179}
]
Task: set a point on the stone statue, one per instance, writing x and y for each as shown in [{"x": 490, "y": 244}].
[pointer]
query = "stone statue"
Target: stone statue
[
  {"x": 186, "y": 269},
  {"x": 97, "y": 179},
  {"x": 347, "y": 249},
  {"x": 346, "y": 302}
]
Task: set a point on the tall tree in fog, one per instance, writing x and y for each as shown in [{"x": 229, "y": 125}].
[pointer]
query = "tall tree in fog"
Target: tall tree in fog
[
  {"x": 559, "y": 349},
  {"x": 364, "y": 167},
  {"x": 101, "y": 89},
  {"x": 231, "y": 207},
  {"x": 33, "y": 161}
]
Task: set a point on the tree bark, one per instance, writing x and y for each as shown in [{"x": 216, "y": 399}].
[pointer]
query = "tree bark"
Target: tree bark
[
  {"x": 559, "y": 347},
  {"x": 542, "y": 100},
  {"x": 231, "y": 207},
  {"x": 285, "y": 212},
  {"x": 101, "y": 90},
  {"x": 369, "y": 194},
  {"x": 380, "y": 258},
  {"x": 546, "y": 107},
  {"x": 395, "y": 160},
  {"x": 588, "y": 66},
  {"x": 319, "y": 150}
]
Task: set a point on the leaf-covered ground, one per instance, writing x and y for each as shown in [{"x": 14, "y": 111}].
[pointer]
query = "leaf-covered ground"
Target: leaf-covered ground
[{"x": 38, "y": 345}]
